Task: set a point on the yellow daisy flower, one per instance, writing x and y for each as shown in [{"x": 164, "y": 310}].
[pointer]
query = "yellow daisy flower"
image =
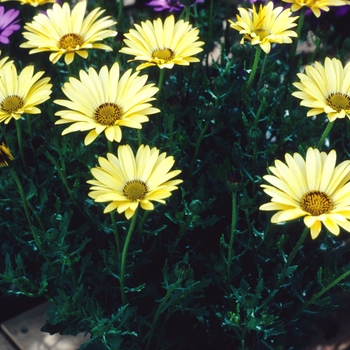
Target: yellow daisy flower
[
  {"x": 267, "y": 26},
  {"x": 325, "y": 89},
  {"x": 65, "y": 32},
  {"x": 128, "y": 181},
  {"x": 315, "y": 5},
  {"x": 163, "y": 45},
  {"x": 21, "y": 93},
  {"x": 313, "y": 188},
  {"x": 34, "y": 3},
  {"x": 6, "y": 156},
  {"x": 105, "y": 101}
]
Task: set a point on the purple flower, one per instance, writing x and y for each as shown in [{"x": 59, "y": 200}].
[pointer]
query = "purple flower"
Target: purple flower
[
  {"x": 8, "y": 24},
  {"x": 169, "y": 5},
  {"x": 342, "y": 10}
]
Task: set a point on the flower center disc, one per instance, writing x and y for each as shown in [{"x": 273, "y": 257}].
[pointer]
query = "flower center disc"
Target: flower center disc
[
  {"x": 163, "y": 54},
  {"x": 339, "y": 101},
  {"x": 316, "y": 203},
  {"x": 135, "y": 190},
  {"x": 70, "y": 41},
  {"x": 12, "y": 104},
  {"x": 262, "y": 33},
  {"x": 108, "y": 113}
]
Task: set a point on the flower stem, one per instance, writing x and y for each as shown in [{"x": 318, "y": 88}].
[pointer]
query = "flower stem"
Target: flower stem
[
  {"x": 124, "y": 254},
  {"x": 65, "y": 182},
  {"x": 254, "y": 68},
  {"x": 325, "y": 134},
  {"x": 160, "y": 310},
  {"x": 285, "y": 268},
  {"x": 321, "y": 292},
  {"x": 28, "y": 217},
  {"x": 232, "y": 235},
  {"x": 299, "y": 28},
  {"x": 120, "y": 12},
  {"x": 200, "y": 138}
]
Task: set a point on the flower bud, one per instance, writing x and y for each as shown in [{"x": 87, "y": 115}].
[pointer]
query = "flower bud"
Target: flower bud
[{"x": 183, "y": 270}]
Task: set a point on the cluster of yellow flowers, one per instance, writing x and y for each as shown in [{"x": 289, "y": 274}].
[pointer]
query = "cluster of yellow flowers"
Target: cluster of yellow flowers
[
  {"x": 105, "y": 100},
  {"x": 313, "y": 188}
]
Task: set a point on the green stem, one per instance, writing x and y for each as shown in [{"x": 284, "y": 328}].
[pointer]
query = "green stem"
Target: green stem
[
  {"x": 111, "y": 148},
  {"x": 124, "y": 255},
  {"x": 325, "y": 134},
  {"x": 120, "y": 12},
  {"x": 160, "y": 82},
  {"x": 64, "y": 179},
  {"x": 320, "y": 293},
  {"x": 160, "y": 310},
  {"x": 232, "y": 235},
  {"x": 299, "y": 28},
  {"x": 28, "y": 217},
  {"x": 200, "y": 138},
  {"x": 284, "y": 271},
  {"x": 254, "y": 68},
  {"x": 261, "y": 74}
]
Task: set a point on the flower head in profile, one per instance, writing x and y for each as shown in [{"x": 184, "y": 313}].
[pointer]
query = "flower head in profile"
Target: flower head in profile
[
  {"x": 163, "y": 44},
  {"x": 269, "y": 25},
  {"x": 8, "y": 24},
  {"x": 313, "y": 188},
  {"x": 169, "y": 5},
  {"x": 65, "y": 32},
  {"x": 128, "y": 181},
  {"x": 325, "y": 89},
  {"x": 315, "y": 5},
  {"x": 5, "y": 156},
  {"x": 104, "y": 101},
  {"x": 21, "y": 93},
  {"x": 34, "y": 3}
]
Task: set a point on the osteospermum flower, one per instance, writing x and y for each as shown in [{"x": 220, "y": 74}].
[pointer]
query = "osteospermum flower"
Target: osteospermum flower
[
  {"x": 6, "y": 156},
  {"x": 65, "y": 32},
  {"x": 163, "y": 45},
  {"x": 314, "y": 188},
  {"x": 128, "y": 181},
  {"x": 316, "y": 5},
  {"x": 34, "y": 3},
  {"x": 105, "y": 101},
  {"x": 8, "y": 24},
  {"x": 269, "y": 25},
  {"x": 325, "y": 89},
  {"x": 169, "y": 5},
  {"x": 21, "y": 93}
]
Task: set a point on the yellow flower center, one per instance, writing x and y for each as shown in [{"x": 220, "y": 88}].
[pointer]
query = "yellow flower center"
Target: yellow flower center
[
  {"x": 316, "y": 203},
  {"x": 135, "y": 190},
  {"x": 339, "y": 101},
  {"x": 70, "y": 41},
  {"x": 108, "y": 113},
  {"x": 12, "y": 104},
  {"x": 261, "y": 33},
  {"x": 165, "y": 55}
]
